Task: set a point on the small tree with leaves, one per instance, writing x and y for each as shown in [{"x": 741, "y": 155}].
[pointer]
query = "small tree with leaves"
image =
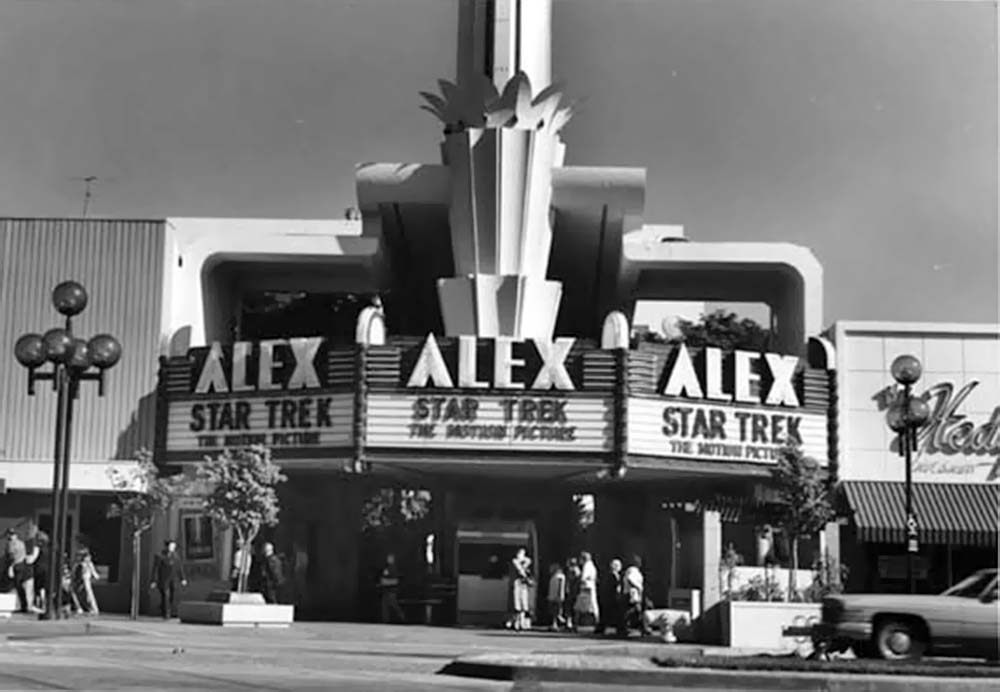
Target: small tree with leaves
[
  {"x": 804, "y": 503},
  {"x": 141, "y": 495},
  {"x": 242, "y": 496}
]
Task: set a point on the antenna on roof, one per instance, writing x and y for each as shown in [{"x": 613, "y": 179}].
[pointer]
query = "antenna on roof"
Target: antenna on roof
[{"x": 88, "y": 194}]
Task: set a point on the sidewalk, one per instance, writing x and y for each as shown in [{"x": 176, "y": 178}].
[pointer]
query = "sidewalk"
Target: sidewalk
[{"x": 21, "y": 626}]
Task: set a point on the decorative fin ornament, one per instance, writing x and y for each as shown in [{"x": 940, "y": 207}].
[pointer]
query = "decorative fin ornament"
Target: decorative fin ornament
[
  {"x": 480, "y": 105},
  {"x": 500, "y": 149}
]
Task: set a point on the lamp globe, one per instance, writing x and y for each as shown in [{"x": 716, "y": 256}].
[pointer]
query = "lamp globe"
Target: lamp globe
[
  {"x": 105, "y": 351},
  {"x": 896, "y": 418},
  {"x": 918, "y": 412},
  {"x": 57, "y": 345},
  {"x": 79, "y": 356},
  {"x": 30, "y": 350},
  {"x": 906, "y": 369},
  {"x": 69, "y": 298}
]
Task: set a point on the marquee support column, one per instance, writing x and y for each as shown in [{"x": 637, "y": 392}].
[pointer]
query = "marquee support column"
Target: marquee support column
[
  {"x": 360, "y": 423},
  {"x": 620, "y": 396},
  {"x": 711, "y": 554}
]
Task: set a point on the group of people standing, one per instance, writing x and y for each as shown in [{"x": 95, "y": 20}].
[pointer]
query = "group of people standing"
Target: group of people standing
[
  {"x": 26, "y": 572},
  {"x": 580, "y": 596},
  {"x": 264, "y": 573}
]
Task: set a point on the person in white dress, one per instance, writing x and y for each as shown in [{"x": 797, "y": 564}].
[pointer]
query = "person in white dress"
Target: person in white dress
[{"x": 585, "y": 608}]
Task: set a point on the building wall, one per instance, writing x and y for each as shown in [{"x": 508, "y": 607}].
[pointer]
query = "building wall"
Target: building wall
[
  {"x": 955, "y": 354},
  {"x": 120, "y": 263},
  {"x": 205, "y": 255}
]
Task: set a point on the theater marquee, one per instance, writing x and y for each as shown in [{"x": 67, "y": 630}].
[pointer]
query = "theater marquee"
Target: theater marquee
[
  {"x": 490, "y": 422},
  {"x": 737, "y": 407},
  {"x": 277, "y": 392}
]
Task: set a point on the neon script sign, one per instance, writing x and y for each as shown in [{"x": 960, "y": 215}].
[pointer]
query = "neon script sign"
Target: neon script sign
[{"x": 950, "y": 432}]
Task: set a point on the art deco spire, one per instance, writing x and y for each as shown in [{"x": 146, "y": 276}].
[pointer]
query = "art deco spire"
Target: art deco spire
[{"x": 501, "y": 144}]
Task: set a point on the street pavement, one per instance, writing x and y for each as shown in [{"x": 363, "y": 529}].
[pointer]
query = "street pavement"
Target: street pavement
[
  {"x": 113, "y": 653},
  {"x": 150, "y": 654}
]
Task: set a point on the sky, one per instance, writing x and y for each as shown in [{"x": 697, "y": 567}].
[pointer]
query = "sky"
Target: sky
[{"x": 865, "y": 130}]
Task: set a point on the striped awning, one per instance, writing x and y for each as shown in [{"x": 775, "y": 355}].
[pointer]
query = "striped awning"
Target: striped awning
[{"x": 947, "y": 513}]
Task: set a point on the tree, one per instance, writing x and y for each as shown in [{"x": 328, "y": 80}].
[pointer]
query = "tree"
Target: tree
[
  {"x": 724, "y": 330},
  {"x": 242, "y": 496},
  {"x": 141, "y": 495},
  {"x": 393, "y": 507},
  {"x": 804, "y": 500}
]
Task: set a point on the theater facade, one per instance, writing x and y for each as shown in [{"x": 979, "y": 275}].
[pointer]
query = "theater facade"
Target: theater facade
[{"x": 486, "y": 356}]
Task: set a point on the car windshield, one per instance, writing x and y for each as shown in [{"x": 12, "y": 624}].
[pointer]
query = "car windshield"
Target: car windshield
[{"x": 972, "y": 586}]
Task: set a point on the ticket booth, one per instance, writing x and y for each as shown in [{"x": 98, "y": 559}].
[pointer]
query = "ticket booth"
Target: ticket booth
[{"x": 483, "y": 554}]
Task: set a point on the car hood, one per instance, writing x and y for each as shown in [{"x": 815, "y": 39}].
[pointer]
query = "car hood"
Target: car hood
[{"x": 883, "y": 601}]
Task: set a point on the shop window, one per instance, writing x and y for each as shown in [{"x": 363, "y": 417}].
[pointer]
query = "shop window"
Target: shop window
[
  {"x": 198, "y": 536},
  {"x": 101, "y": 535}
]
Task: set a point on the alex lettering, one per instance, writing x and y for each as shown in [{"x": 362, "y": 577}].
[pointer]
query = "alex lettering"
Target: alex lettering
[
  {"x": 684, "y": 381},
  {"x": 432, "y": 371},
  {"x": 303, "y": 375}
]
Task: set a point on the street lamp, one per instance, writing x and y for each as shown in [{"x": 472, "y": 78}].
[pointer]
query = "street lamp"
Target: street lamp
[
  {"x": 73, "y": 361},
  {"x": 906, "y": 416}
]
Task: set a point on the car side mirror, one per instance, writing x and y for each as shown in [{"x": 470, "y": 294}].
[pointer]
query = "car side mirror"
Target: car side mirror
[{"x": 989, "y": 597}]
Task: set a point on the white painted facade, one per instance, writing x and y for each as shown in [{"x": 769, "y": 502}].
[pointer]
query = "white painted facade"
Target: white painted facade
[{"x": 964, "y": 356}]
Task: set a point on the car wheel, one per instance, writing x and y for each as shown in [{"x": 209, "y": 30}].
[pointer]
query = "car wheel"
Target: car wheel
[{"x": 898, "y": 640}]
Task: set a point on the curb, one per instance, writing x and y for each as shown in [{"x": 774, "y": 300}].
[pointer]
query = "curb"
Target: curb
[
  {"x": 702, "y": 678},
  {"x": 26, "y": 631}
]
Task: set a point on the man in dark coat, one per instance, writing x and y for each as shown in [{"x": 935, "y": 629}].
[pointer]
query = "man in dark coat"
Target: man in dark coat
[
  {"x": 609, "y": 598},
  {"x": 168, "y": 569},
  {"x": 271, "y": 575}
]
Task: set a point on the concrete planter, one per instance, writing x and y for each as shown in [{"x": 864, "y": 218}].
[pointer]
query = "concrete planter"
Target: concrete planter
[
  {"x": 236, "y": 610},
  {"x": 8, "y": 604},
  {"x": 758, "y": 625}
]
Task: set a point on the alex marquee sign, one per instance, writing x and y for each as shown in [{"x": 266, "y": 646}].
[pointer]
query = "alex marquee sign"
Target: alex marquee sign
[
  {"x": 748, "y": 416},
  {"x": 269, "y": 393},
  {"x": 542, "y": 412}
]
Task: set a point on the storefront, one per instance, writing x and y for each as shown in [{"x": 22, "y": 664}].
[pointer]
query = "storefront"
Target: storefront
[
  {"x": 501, "y": 430},
  {"x": 956, "y": 469}
]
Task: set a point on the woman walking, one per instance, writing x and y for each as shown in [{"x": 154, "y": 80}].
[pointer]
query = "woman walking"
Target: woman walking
[
  {"x": 573, "y": 575},
  {"x": 520, "y": 580}
]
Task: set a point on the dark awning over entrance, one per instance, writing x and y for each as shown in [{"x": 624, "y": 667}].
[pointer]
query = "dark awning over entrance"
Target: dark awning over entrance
[{"x": 959, "y": 514}]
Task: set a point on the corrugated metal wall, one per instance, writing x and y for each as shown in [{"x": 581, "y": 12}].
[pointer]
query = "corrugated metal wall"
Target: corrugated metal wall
[{"x": 120, "y": 263}]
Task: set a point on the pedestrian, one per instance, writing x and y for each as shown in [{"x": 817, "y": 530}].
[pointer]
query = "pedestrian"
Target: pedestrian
[
  {"x": 70, "y": 603},
  {"x": 573, "y": 575},
  {"x": 634, "y": 598},
  {"x": 585, "y": 608},
  {"x": 556, "y": 596},
  {"x": 609, "y": 598},
  {"x": 17, "y": 568},
  {"x": 271, "y": 574},
  {"x": 41, "y": 569},
  {"x": 242, "y": 559},
  {"x": 168, "y": 570},
  {"x": 520, "y": 585},
  {"x": 388, "y": 587},
  {"x": 29, "y": 578},
  {"x": 84, "y": 574}
]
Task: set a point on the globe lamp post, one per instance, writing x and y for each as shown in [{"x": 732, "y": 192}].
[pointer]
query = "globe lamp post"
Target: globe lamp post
[
  {"x": 907, "y": 415},
  {"x": 73, "y": 361}
]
